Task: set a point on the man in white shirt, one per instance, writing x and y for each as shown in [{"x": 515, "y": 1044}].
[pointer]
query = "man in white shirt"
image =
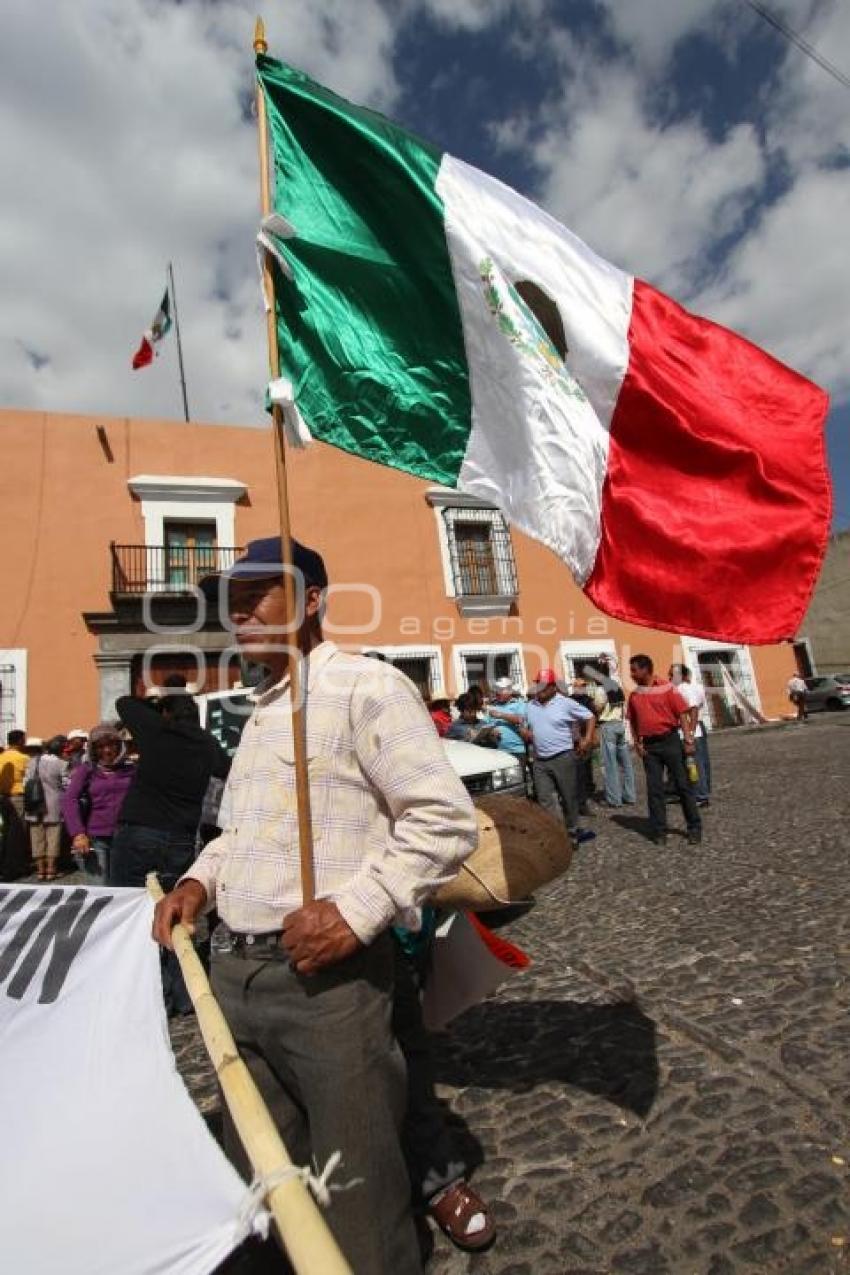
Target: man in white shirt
[
  {"x": 797, "y": 695},
  {"x": 307, "y": 987},
  {"x": 694, "y": 695}
]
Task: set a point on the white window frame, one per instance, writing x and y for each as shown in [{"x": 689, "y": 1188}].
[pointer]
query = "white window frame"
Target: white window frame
[
  {"x": 601, "y": 646},
  {"x": 171, "y": 498},
  {"x": 485, "y": 649},
  {"x": 692, "y": 647},
  {"x": 442, "y": 498},
  {"x": 415, "y": 651},
  {"x": 17, "y": 657}
]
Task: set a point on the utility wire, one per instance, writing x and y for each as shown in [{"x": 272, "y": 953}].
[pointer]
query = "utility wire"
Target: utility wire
[{"x": 803, "y": 45}]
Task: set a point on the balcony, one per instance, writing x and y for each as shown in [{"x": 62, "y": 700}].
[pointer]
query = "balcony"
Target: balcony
[{"x": 165, "y": 569}]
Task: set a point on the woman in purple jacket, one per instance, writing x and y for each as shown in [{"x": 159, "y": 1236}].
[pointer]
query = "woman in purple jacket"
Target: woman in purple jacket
[{"x": 91, "y": 803}]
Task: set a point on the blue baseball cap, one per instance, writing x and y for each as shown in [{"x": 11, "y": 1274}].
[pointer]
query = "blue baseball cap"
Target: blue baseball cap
[{"x": 263, "y": 559}]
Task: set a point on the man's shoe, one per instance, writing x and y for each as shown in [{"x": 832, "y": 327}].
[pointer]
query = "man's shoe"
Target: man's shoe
[
  {"x": 694, "y": 836},
  {"x": 584, "y": 834},
  {"x": 703, "y": 802}
]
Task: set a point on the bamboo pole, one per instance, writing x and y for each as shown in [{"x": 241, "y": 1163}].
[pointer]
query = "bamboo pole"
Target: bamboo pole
[
  {"x": 308, "y": 1242},
  {"x": 302, "y": 784}
]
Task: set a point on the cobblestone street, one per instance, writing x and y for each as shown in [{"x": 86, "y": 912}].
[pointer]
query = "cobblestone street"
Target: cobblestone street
[{"x": 666, "y": 1089}]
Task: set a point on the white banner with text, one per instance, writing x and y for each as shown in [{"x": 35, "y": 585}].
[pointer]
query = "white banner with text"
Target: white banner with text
[{"x": 106, "y": 1165}]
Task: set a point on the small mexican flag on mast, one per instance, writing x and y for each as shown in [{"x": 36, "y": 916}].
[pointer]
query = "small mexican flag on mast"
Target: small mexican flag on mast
[
  {"x": 147, "y": 352},
  {"x": 161, "y": 325}
]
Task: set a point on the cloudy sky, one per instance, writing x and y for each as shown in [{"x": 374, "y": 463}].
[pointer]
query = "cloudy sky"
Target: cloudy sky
[{"x": 685, "y": 140}]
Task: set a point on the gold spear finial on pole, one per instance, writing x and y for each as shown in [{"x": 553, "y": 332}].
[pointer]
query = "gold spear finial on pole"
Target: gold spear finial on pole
[{"x": 260, "y": 43}]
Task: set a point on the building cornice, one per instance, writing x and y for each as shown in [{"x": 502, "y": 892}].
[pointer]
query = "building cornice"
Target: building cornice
[
  {"x": 449, "y": 498},
  {"x": 176, "y": 487}
]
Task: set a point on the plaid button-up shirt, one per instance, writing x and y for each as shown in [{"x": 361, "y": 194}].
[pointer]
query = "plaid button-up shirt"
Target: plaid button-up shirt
[{"x": 391, "y": 819}]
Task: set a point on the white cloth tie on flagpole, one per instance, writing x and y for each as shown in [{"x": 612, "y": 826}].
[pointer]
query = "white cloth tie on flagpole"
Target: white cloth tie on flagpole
[
  {"x": 273, "y": 226},
  {"x": 252, "y": 1213},
  {"x": 281, "y": 395}
]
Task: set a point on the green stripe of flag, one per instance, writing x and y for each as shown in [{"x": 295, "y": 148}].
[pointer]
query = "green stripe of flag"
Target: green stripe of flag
[{"x": 369, "y": 328}]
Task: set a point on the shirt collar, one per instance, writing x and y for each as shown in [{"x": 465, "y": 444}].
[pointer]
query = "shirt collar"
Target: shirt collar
[{"x": 315, "y": 662}]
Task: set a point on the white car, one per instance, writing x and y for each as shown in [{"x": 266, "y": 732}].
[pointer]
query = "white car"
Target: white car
[
  {"x": 486, "y": 770},
  {"x": 483, "y": 770}
]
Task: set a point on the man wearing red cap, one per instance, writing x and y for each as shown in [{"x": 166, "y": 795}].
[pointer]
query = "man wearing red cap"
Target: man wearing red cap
[{"x": 554, "y": 719}]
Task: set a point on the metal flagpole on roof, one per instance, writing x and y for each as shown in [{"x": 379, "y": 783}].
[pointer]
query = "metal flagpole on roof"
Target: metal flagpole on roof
[
  {"x": 179, "y": 343},
  {"x": 302, "y": 786}
]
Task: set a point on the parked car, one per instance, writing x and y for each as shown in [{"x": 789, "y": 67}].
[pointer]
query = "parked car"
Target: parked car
[
  {"x": 828, "y": 693},
  {"x": 486, "y": 770},
  {"x": 482, "y": 770}
]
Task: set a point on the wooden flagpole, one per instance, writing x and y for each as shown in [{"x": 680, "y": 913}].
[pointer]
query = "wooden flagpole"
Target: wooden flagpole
[
  {"x": 308, "y": 1242},
  {"x": 302, "y": 785}
]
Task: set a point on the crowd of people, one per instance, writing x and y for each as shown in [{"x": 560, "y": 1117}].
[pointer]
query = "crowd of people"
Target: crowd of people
[
  {"x": 113, "y": 803},
  {"x": 337, "y": 1008},
  {"x": 559, "y": 729}
]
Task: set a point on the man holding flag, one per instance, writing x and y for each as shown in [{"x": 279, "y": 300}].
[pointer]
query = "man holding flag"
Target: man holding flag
[{"x": 307, "y": 989}]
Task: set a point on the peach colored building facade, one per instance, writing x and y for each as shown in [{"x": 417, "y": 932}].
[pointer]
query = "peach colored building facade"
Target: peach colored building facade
[{"x": 434, "y": 581}]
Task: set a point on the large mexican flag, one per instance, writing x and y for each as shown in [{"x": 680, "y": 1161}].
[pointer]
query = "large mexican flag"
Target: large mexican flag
[{"x": 432, "y": 319}]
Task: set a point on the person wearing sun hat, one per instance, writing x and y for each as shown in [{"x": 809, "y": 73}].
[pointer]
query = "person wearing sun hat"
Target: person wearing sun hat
[
  {"x": 93, "y": 800},
  {"x": 76, "y": 742},
  {"x": 45, "y": 823},
  {"x": 307, "y": 987},
  {"x": 511, "y": 711}
]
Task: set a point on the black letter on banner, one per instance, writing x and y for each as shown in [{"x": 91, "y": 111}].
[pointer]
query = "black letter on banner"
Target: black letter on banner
[
  {"x": 67, "y": 933},
  {"x": 17, "y": 901},
  {"x": 25, "y": 931}
]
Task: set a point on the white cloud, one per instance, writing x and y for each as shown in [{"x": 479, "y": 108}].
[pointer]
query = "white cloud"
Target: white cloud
[
  {"x": 785, "y": 291},
  {"x": 125, "y": 143},
  {"x": 653, "y": 199},
  {"x": 648, "y": 33},
  {"x": 667, "y": 199},
  {"x": 786, "y": 283},
  {"x": 475, "y": 15}
]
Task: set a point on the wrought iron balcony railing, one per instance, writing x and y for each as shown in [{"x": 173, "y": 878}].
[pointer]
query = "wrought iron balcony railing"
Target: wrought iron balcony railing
[{"x": 138, "y": 569}]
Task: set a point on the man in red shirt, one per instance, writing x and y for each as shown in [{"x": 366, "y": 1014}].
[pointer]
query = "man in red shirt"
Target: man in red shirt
[{"x": 656, "y": 711}]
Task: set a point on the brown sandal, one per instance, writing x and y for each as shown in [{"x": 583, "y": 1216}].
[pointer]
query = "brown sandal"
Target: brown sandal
[{"x": 458, "y": 1208}]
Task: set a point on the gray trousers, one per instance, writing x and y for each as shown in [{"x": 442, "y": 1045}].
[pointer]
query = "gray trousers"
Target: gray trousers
[
  {"x": 434, "y": 1157},
  {"x": 556, "y": 785},
  {"x": 323, "y": 1055}
]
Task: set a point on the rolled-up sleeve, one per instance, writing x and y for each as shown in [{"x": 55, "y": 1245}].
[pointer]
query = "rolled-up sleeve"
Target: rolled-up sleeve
[
  {"x": 432, "y": 820},
  {"x": 207, "y": 867}
]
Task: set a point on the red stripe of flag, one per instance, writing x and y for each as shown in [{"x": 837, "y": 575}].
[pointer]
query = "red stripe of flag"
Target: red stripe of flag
[
  {"x": 717, "y": 480},
  {"x": 144, "y": 354}
]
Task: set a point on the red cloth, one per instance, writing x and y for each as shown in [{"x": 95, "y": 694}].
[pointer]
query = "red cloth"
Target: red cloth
[
  {"x": 656, "y": 709},
  {"x": 507, "y": 953},
  {"x": 144, "y": 355},
  {"x": 717, "y": 501},
  {"x": 442, "y": 719}
]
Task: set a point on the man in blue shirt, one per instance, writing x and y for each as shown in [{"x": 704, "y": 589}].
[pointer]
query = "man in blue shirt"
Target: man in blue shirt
[
  {"x": 510, "y": 711},
  {"x": 562, "y": 734}
]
